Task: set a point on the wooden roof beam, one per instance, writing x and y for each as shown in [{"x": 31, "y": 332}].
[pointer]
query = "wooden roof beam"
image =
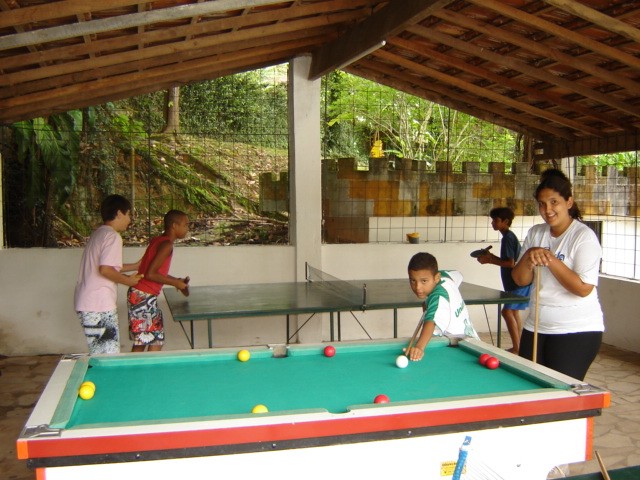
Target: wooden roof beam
[
  {"x": 551, "y": 28},
  {"x": 371, "y": 34},
  {"x": 15, "y": 81},
  {"x": 51, "y": 11},
  {"x": 87, "y": 93},
  {"x": 132, "y": 20},
  {"x": 597, "y": 18},
  {"x": 443, "y": 95},
  {"x": 488, "y": 94},
  {"x": 540, "y": 49},
  {"x": 502, "y": 81},
  {"x": 167, "y": 58},
  {"x": 164, "y": 35},
  {"x": 526, "y": 69}
]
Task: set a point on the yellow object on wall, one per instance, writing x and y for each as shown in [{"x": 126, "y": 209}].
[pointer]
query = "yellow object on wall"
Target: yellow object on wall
[{"x": 376, "y": 149}]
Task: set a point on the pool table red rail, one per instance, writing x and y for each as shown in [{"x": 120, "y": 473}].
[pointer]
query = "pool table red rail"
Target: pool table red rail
[{"x": 283, "y": 430}]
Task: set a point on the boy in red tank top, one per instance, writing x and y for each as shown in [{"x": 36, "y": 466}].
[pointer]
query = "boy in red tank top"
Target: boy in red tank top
[{"x": 146, "y": 326}]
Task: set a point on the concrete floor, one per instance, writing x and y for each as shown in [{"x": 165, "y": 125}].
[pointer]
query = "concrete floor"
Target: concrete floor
[{"x": 617, "y": 431}]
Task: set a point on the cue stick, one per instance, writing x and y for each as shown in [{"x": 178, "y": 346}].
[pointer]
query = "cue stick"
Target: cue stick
[
  {"x": 537, "y": 315},
  {"x": 413, "y": 338},
  {"x": 603, "y": 469}
]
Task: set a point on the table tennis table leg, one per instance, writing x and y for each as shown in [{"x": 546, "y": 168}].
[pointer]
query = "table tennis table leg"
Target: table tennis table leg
[
  {"x": 210, "y": 333},
  {"x": 499, "y": 325},
  {"x": 395, "y": 323},
  {"x": 189, "y": 339},
  {"x": 331, "y": 326}
]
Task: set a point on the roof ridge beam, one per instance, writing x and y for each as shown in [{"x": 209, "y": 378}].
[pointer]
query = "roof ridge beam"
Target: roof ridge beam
[{"x": 371, "y": 34}]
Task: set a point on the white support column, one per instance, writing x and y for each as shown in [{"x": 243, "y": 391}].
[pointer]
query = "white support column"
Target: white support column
[
  {"x": 305, "y": 170},
  {"x": 1, "y": 208}
]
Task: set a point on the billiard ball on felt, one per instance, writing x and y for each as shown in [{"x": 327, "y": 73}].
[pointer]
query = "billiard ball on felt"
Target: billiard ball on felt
[
  {"x": 329, "y": 351},
  {"x": 402, "y": 361},
  {"x": 382, "y": 398},
  {"x": 90, "y": 384},
  {"x": 492, "y": 363},
  {"x": 259, "y": 409},
  {"x": 244, "y": 355},
  {"x": 86, "y": 392},
  {"x": 483, "y": 358}
]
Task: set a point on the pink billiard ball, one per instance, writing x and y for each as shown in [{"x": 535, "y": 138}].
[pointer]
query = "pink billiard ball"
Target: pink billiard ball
[
  {"x": 329, "y": 351},
  {"x": 483, "y": 358},
  {"x": 382, "y": 398},
  {"x": 492, "y": 363}
]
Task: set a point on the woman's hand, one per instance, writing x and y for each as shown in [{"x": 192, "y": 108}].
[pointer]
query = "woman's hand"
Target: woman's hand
[{"x": 538, "y": 256}]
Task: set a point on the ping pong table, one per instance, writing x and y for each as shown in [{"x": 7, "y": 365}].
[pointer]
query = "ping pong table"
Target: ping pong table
[{"x": 311, "y": 298}]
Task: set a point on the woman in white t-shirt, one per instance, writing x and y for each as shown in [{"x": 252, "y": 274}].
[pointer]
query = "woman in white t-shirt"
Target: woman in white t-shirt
[{"x": 567, "y": 254}]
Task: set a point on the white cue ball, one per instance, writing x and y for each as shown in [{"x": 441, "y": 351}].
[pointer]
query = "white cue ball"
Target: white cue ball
[{"x": 402, "y": 361}]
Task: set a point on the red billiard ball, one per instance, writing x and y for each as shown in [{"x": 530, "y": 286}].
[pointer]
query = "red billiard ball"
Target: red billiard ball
[
  {"x": 492, "y": 363},
  {"x": 483, "y": 358},
  {"x": 329, "y": 351},
  {"x": 382, "y": 398}
]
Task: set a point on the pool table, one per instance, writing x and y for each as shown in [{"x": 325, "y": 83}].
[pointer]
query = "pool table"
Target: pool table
[{"x": 179, "y": 414}]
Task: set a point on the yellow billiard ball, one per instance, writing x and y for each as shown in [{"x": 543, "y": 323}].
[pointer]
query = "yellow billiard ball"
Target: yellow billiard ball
[
  {"x": 90, "y": 384},
  {"x": 244, "y": 355},
  {"x": 259, "y": 409},
  {"x": 86, "y": 392}
]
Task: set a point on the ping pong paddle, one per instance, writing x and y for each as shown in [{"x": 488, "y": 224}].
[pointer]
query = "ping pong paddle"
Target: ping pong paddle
[
  {"x": 480, "y": 252},
  {"x": 185, "y": 291}
]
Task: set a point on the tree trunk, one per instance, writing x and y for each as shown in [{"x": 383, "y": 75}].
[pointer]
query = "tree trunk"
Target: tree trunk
[{"x": 172, "y": 111}]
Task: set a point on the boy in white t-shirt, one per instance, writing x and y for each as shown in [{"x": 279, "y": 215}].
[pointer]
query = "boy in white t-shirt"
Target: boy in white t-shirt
[
  {"x": 445, "y": 313},
  {"x": 100, "y": 271}
]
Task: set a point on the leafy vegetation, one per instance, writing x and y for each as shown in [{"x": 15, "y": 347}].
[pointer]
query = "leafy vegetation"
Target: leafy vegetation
[
  {"x": 358, "y": 111},
  {"x": 57, "y": 169}
]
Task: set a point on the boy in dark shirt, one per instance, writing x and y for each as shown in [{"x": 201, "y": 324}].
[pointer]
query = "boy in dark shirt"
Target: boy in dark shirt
[{"x": 501, "y": 219}]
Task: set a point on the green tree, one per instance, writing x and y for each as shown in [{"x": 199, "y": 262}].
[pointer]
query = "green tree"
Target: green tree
[
  {"x": 247, "y": 105},
  {"x": 408, "y": 126},
  {"x": 47, "y": 149},
  {"x": 619, "y": 160}
]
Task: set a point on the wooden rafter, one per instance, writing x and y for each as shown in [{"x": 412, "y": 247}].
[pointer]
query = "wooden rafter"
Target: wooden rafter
[{"x": 563, "y": 72}]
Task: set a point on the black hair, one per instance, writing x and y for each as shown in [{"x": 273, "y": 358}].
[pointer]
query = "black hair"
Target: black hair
[
  {"x": 171, "y": 217},
  {"x": 557, "y": 181},
  {"x": 503, "y": 213},
  {"x": 113, "y": 204},
  {"x": 423, "y": 261}
]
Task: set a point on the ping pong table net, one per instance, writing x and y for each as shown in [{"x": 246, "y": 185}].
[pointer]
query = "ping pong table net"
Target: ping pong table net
[{"x": 354, "y": 292}]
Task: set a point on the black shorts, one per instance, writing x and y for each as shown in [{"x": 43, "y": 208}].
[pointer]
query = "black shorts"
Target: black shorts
[{"x": 568, "y": 353}]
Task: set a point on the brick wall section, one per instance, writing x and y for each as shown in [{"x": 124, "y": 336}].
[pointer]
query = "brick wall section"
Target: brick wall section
[{"x": 407, "y": 188}]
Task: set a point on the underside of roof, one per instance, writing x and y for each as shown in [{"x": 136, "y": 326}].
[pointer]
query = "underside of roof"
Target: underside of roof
[{"x": 565, "y": 73}]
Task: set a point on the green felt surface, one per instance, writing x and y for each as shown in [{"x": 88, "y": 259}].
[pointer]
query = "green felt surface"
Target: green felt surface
[{"x": 150, "y": 388}]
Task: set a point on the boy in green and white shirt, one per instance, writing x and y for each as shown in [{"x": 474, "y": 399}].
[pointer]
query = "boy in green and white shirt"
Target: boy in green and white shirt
[{"x": 445, "y": 313}]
